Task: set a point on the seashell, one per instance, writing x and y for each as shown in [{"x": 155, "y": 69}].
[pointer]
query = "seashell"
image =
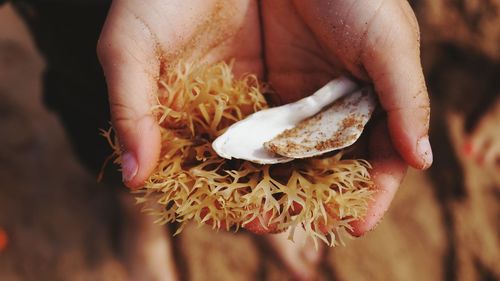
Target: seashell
[
  {"x": 301, "y": 129},
  {"x": 336, "y": 127}
]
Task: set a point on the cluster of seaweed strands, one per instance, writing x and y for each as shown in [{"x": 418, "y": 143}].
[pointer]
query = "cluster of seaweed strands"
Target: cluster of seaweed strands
[{"x": 195, "y": 104}]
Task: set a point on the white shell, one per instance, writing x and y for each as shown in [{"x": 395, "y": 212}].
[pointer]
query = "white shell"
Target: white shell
[
  {"x": 245, "y": 139},
  {"x": 337, "y": 127}
]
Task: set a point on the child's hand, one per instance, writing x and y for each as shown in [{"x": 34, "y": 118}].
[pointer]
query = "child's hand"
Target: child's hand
[
  {"x": 140, "y": 36},
  {"x": 306, "y": 44},
  {"x": 309, "y": 42}
]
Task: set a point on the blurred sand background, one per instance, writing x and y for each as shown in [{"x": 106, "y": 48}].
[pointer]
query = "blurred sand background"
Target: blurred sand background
[{"x": 443, "y": 224}]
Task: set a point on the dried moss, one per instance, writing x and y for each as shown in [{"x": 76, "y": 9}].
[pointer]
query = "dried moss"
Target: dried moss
[{"x": 195, "y": 104}]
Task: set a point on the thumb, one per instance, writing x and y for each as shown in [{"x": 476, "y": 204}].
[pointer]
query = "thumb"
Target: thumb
[
  {"x": 129, "y": 66},
  {"x": 392, "y": 60},
  {"x": 381, "y": 38}
]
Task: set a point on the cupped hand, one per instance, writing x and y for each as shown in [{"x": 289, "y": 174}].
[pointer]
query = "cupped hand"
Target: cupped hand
[
  {"x": 307, "y": 43},
  {"x": 299, "y": 45},
  {"x": 140, "y": 36}
]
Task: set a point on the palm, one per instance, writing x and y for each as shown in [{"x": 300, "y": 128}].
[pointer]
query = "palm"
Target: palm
[
  {"x": 296, "y": 63},
  {"x": 211, "y": 31}
]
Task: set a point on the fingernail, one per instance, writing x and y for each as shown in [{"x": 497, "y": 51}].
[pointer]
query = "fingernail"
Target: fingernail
[
  {"x": 425, "y": 151},
  {"x": 129, "y": 166}
]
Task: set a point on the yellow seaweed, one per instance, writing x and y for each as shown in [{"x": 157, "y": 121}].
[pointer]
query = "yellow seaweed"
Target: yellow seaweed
[{"x": 195, "y": 104}]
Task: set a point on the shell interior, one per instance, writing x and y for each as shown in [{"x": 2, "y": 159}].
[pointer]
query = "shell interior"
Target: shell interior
[
  {"x": 336, "y": 127},
  {"x": 300, "y": 129}
]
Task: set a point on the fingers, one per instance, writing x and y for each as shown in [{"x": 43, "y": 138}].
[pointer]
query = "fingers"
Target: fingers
[
  {"x": 391, "y": 57},
  {"x": 128, "y": 64},
  {"x": 379, "y": 41},
  {"x": 387, "y": 173}
]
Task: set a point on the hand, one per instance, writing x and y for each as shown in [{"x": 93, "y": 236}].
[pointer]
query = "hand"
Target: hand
[
  {"x": 140, "y": 36},
  {"x": 307, "y": 43}
]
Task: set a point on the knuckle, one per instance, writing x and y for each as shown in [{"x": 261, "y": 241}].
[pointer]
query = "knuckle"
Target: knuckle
[
  {"x": 122, "y": 113},
  {"x": 125, "y": 118}
]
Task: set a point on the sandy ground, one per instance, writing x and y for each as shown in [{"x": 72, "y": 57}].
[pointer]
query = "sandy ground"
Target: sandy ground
[{"x": 57, "y": 229}]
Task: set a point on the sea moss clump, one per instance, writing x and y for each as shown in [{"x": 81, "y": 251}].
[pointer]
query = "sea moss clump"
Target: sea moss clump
[{"x": 195, "y": 104}]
